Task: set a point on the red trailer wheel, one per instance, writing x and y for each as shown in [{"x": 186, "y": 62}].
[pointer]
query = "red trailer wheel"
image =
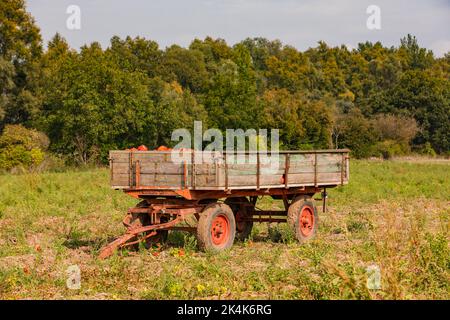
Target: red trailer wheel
[
  {"x": 303, "y": 218},
  {"x": 216, "y": 227}
]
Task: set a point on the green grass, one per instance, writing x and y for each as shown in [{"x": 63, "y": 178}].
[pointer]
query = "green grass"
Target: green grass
[{"x": 393, "y": 214}]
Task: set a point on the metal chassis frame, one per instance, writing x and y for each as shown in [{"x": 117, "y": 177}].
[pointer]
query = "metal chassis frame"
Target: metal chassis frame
[{"x": 177, "y": 204}]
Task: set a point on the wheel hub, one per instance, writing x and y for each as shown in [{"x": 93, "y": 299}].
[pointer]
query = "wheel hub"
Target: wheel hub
[
  {"x": 306, "y": 221},
  {"x": 219, "y": 230}
]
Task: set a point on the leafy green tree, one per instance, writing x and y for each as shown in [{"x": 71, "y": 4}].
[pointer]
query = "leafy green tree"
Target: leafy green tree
[
  {"x": 20, "y": 49},
  {"x": 317, "y": 119},
  {"x": 174, "y": 108},
  {"x": 261, "y": 49},
  {"x": 415, "y": 56},
  {"x": 329, "y": 76},
  {"x": 291, "y": 70},
  {"x": 6, "y": 85},
  {"x": 93, "y": 106},
  {"x": 304, "y": 122},
  {"x": 185, "y": 66},
  {"x": 231, "y": 97},
  {"x": 280, "y": 111},
  {"x": 214, "y": 52},
  {"x": 427, "y": 99},
  {"x": 136, "y": 54}
]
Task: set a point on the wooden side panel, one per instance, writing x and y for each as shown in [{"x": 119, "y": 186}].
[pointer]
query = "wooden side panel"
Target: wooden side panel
[
  {"x": 119, "y": 169},
  {"x": 156, "y": 169}
]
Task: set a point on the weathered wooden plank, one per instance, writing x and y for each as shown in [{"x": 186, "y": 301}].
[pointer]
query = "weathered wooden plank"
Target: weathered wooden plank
[
  {"x": 207, "y": 169},
  {"x": 120, "y": 167},
  {"x": 301, "y": 158},
  {"x": 168, "y": 180},
  {"x": 174, "y": 168},
  {"x": 251, "y": 170},
  {"x": 120, "y": 161},
  {"x": 208, "y": 181},
  {"x": 329, "y": 176},
  {"x": 152, "y": 157},
  {"x": 161, "y": 168},
  {"x": 119, "y": 156},
  {"x": 119, "y": 179},
  {"x": 299, "y": 178}
]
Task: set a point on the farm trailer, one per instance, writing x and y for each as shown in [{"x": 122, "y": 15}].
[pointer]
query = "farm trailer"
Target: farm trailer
[{"x": 220, "y": 193}]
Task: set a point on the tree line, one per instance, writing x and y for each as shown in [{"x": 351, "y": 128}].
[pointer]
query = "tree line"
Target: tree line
[{"x": 375, "y": 100}]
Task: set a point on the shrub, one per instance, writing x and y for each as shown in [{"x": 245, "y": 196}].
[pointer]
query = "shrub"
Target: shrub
[
  {"x": 355, "y": 133},
  {"x": 22, "y": 147},
  {"x": 427, "y": 150},
  {"x": 389, "y": 148},
  {"x": 395, "y": 130}
]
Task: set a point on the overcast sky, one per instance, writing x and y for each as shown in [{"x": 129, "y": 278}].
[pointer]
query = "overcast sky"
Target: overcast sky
[{"x": 298, "y": 23}]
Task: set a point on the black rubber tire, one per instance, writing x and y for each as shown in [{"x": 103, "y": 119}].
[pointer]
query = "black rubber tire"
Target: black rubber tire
[
  {"x": 293, "y": 219},
  {"x": 206, "y": 217},
  {"x": 244, "y": 228}
]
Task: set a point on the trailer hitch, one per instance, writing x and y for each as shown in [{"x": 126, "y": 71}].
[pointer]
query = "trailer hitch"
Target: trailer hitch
[{"x": 132, "y": 233}]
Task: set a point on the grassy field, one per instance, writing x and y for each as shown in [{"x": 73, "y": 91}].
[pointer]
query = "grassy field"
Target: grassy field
[{"x": 393, "y": 214}]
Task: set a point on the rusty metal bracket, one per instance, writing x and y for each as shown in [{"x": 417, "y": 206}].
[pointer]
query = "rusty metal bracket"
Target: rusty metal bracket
[
  {"x": 226, "y": 170},
  {"x": 315, "y": 170},
  {"x": 258, "y": 170},
  {"x": 137, "y": 174},
  {"x": 193, "y": 170},
  {"x": 130, "y": 168},
  {"x": 286, "y": 170},
  {"x": 324, "y": 200}
]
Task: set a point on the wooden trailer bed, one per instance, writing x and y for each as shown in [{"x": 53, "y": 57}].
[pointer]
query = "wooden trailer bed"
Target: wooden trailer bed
[{"x": 223, "y": 171}]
